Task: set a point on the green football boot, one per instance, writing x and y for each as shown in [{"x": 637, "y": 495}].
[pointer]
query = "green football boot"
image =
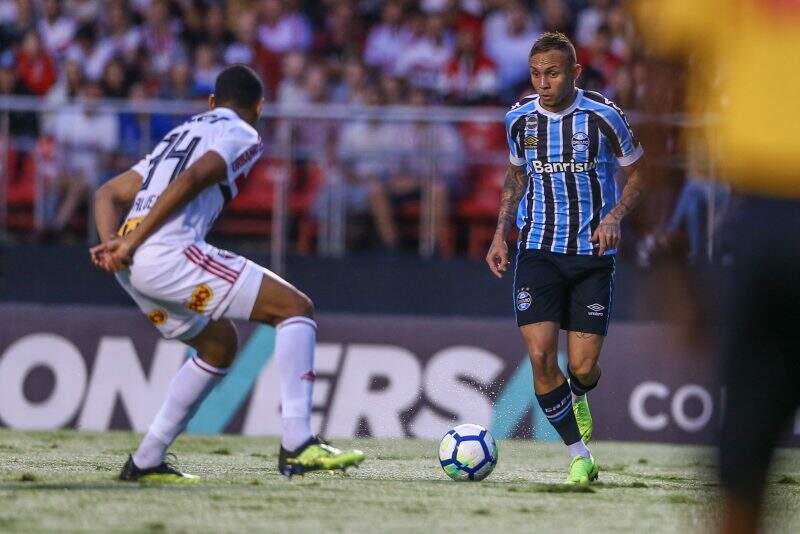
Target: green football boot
[
  {"x": 317, "y": 455},
  {"x": 583, "y": 417},
  {"x": 162, "y": 474},
  {"x": 582, "y": 471}
]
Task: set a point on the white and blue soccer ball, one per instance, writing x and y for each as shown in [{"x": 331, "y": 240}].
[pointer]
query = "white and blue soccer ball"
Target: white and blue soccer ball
[{"x": 468, "y": 452}]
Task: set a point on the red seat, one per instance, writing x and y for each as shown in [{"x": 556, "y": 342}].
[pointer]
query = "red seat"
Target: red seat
[
  {"x": 479, "y": 210},
  {"x": 21, "y": 192}
]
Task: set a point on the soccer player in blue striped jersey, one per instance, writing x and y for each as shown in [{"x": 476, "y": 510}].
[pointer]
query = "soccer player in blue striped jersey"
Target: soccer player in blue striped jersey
[{"x": 566, "y": 145}]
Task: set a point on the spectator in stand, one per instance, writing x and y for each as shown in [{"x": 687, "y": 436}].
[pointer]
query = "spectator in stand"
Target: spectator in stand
[
  {"x": 36, "y": 68},
  {"x": 84, "y": 137},
  {"x": 115, "y": 83},
  {"x": 85, "y": 11},
  {"x": 283, "y": 27},
  {"x": 68, "y": 84},
  {"x": 589, "y": 19},
  {"x": 312, "y": 138},
  {"x": 623, "y": 91},
  {"x": 469, "y": 77},
  {"x": 361, "y": 154},
  {"x": 206, "y": 69},
  {"x": 291, "y": 90},
  {"x": 341, "y": 38},
  {"x": 351, "y": 85},
  {"x": 217, "y": 35},
  {"x": 431, "y": 157},
  {"x": 556, "y": 17},
  {"x": 56, "y": 28},
  {"x": 388, "y": 40},
  {"x": 393, "y": 90},
  {"x": 424, "y": 61},
  {"x": 507, "y": 37},
  {"x": 622, "y": 31},
  {"x": 243, "y": 48},
  {"x": 160, "y": 37},
  {"x": 93, "y": 56},
  {"x": 123, "y": 38},
  {"x": 600, "y": 58},
  {"x": 14, "y": 30},
  {"x": 23, "y": 126}
]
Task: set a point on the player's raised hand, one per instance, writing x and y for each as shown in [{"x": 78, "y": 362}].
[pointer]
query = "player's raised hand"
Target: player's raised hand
[
  {"x": 608, "y": 234},
  {"x": 497, "y": 257},
  {"x": 113, "y": 255}
]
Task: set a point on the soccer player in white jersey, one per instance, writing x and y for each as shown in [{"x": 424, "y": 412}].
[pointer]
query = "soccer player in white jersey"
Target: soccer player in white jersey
[
  {"x": 565, "y": 147},
  {"x": 191, "y": 290}
]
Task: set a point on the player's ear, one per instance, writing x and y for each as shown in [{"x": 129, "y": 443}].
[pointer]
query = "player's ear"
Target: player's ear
[
  {"x": 259, "y": 107},
  {"x": 578, "y": 69},
  {"x": 212, "y": 101}
]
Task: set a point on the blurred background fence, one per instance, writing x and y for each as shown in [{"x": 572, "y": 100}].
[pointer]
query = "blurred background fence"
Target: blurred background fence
[{"x": 334, "y": 179}]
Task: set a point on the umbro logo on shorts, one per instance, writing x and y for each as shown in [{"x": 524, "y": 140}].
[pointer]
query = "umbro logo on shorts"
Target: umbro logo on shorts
[{"x": 596, "y": 309}]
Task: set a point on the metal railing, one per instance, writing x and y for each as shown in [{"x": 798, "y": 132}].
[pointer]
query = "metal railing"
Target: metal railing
[{"x": 287, "y": 150}]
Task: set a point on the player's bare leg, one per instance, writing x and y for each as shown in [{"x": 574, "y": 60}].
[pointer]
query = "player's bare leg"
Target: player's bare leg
[
  {"x": 381, "y": 210},
  {"x": 292, "y": 313},
  {"x": 583, "y": 351},
  {"x": 555, "y": 398},
  {"x": 216, "y": 347},
  {"x": 541, "y": 340}
]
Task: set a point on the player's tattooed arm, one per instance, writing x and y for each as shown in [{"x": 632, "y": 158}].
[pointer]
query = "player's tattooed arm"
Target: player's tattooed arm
[
  {"x": 513, "y": 189},
  {"x": 631, "y": 193},
  {"x": 608, "y": 233}
]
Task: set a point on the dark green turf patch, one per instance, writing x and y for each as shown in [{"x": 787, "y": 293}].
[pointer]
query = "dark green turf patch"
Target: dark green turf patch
[
  {"x": 27, "y": 477},
  {"x": 415, "y": 509},
  {"x": 550, "y": 488},
  {"x": 261, "y": 455},
  {"x": 682, "y": 498},
  {"x": 635, "y": 484},
  {"x": 614, "y": 468},
  {"x": 642, "y": 461},
  {"x": 7, "y": 522},
  {"x": 481, "y": 511},
  {"x": 156, "y": 527},
  {"x": 222, "y": 452},
  {"x": 786, "y": 479}
]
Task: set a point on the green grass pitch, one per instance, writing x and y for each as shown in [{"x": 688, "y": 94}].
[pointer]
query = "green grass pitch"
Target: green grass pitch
[{"x": 64, "y": 481}]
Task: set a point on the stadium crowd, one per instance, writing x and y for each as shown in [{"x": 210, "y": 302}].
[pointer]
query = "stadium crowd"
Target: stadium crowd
[{"x": 394, "y": 52}]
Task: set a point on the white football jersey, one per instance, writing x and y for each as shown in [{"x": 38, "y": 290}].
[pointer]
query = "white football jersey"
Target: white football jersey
[{"x": 220, "y": 130}]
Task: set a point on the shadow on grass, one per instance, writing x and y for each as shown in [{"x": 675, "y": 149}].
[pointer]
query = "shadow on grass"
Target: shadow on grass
[{"x": 550, "y": 488}]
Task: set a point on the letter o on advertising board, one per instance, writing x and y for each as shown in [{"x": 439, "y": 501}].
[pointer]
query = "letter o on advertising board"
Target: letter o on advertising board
[
  {"x": 644, "y": 420},
  {"x": 683, "y": 394},
  {"x": 63, "y": 359}
]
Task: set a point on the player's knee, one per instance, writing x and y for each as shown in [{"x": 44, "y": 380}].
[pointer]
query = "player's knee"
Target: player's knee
[
  {"x": 544, "y": 361},
  {"x": 584, "y": 371},
  {"x": 222, "y": 349},
  {"x": 299, "y": 305}
]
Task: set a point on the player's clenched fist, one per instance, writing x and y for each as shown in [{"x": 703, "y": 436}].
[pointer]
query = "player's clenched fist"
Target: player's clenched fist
[
  {"x": 608, "y": 234},
  {"x": 112, "y": 256},
  {"x": 497, "y": 257}
]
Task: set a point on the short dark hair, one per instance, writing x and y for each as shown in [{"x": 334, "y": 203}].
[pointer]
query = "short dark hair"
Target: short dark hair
[
  {"x": 240, "y": 86},
  {"x": 554, "y": 41}
]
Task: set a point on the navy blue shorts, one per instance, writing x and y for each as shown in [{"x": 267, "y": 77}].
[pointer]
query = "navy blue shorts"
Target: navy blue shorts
[{"x": 572, "y": 290}]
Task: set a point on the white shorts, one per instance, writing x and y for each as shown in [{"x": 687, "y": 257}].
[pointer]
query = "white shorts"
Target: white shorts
[{"x": 180, "y": 289}]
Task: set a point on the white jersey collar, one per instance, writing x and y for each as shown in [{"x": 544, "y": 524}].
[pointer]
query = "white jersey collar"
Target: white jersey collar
[{"x": 563, "y": 112}]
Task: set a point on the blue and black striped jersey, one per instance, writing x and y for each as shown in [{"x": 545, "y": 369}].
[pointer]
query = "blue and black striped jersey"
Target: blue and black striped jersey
[{"x": 570, "y": 158}]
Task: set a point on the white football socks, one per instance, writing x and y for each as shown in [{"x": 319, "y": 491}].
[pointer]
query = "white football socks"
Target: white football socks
[
  {"x": 295, "y": 340},
  {"x": 579, "y": 449},
  {"x": 187, "y": 390}
]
